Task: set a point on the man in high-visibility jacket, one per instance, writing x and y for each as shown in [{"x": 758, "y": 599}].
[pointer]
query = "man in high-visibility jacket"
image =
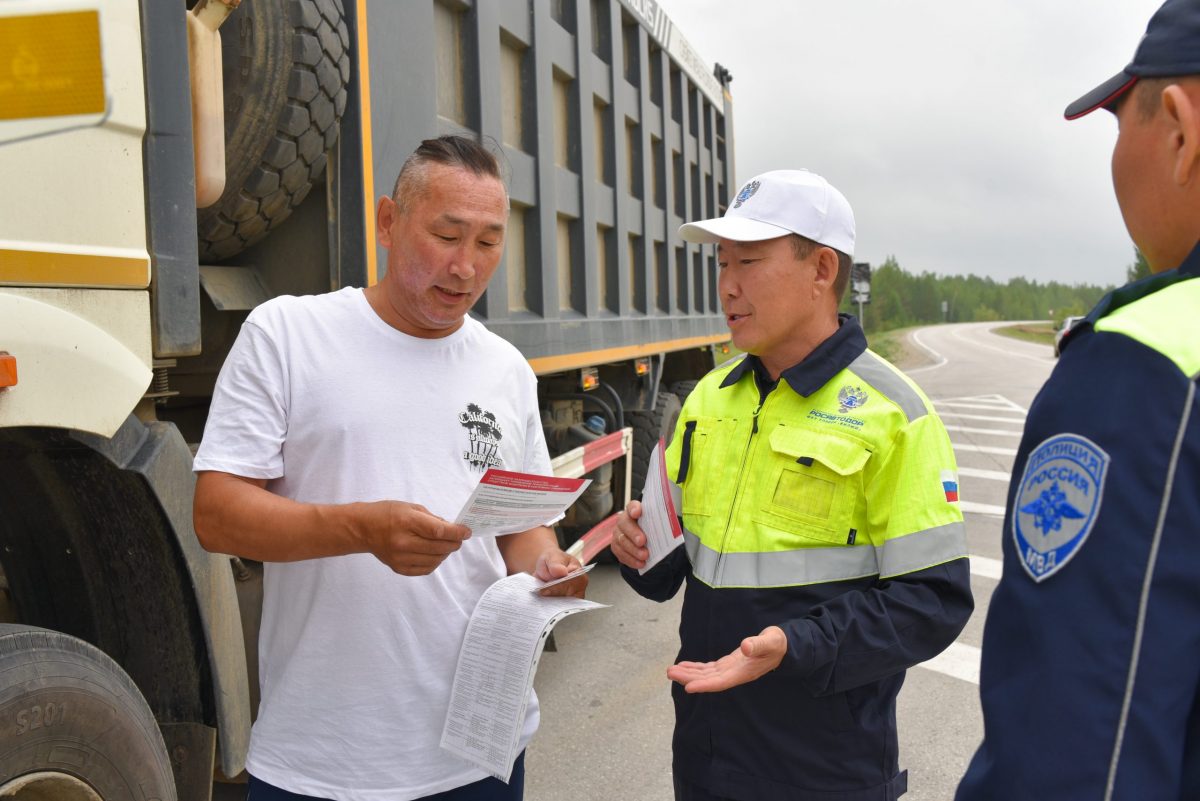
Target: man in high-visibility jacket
[
  {"x": 825, "y": 550},
  {"x": 1090, "y": 679}
]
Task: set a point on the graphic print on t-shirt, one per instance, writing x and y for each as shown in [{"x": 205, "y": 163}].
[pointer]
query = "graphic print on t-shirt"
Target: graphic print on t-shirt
[{"x": 484, "y": 435}]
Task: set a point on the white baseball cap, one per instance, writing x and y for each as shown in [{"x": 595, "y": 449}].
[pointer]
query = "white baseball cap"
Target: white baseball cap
[{"x": 779, "y": 203}]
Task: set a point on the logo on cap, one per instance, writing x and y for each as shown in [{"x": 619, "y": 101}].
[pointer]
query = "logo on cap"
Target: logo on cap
[{"x": 747, "y": 192}]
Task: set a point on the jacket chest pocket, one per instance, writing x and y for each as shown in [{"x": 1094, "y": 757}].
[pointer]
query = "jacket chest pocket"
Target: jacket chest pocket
[
  {"x": 811, "y": 484},
  {"x": 706, "y": 472}
]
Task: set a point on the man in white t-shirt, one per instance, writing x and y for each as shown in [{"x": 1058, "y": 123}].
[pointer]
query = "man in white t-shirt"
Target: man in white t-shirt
[{"x": 345, "y": 431}]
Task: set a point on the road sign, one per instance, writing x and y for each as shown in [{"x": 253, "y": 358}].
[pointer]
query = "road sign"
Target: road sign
[{"x": 860, "y": 282}]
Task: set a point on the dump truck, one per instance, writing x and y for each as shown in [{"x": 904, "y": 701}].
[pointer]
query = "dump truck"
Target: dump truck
[{"x": 168, "y": 165}]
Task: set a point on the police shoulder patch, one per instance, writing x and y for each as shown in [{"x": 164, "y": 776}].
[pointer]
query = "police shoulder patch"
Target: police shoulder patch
[{"x": 1057, "y": 502}]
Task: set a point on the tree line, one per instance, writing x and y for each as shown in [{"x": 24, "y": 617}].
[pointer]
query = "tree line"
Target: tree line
[{"x": 900, "y": 298}]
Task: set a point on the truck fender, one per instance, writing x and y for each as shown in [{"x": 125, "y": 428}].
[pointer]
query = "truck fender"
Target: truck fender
[{"x": 61, "y": 359}]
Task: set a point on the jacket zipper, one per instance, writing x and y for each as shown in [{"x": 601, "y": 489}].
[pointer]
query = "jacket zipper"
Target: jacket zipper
[{"x": 737, "y": 487}]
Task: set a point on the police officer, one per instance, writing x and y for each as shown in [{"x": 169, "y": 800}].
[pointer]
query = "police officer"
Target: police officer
[
  {"x": 825, "y": 550},
  {"x": 1091, "y": 652}
]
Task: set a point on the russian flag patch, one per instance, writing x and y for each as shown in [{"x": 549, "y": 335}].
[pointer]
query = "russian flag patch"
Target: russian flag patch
[{"x": 950, "y": 485}]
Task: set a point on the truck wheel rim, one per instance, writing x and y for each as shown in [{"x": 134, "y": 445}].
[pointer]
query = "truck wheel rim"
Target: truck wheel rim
[{"x": 48, "y": 786}]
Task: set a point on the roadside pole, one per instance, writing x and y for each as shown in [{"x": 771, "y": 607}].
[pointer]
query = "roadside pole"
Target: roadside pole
[{"x": 860, "y": 285}]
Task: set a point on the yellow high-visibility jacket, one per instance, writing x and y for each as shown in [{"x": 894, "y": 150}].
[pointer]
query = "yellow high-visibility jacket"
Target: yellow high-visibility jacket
[{"x": 825, "y": 504}]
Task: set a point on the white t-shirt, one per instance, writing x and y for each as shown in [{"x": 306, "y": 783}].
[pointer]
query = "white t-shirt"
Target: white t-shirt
[{"x": 333, "y": 405}]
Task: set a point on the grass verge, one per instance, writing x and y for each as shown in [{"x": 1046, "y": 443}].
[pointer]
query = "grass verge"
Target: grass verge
[
  {"x": 1041, "y": 333},
  {"x": 896, "y": 346},
  {"x": 889, "y": 344}
]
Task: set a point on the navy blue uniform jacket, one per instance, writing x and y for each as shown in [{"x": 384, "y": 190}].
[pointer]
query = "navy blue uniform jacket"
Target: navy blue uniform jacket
[{"x": 1091, "y": 652}]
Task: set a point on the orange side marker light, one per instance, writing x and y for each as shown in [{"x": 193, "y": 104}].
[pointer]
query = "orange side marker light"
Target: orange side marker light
[{"x": 8, "y": 370}]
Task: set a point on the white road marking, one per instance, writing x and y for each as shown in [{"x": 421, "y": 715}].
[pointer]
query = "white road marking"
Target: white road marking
[
  {"x": 998, "y": 400},
  {"x": 941, "y": 360},
  {"x": 942, "y": 413},
  {"x": 975, "y": 472},
  {"x": 995, "y": 432},
  {"x": 964, "y": 446},
  {"x": 991, "y": 510},
  {"x": 985, "y": 567},
  {"x": 970, "y": 404},
  {"x": 957, "y": 333},
  {"x": 959, "y": 661}
]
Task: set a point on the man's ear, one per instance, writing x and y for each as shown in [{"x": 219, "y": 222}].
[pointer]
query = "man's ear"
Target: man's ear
[
  {"x": 1182, "y": 109},
  {"x": 385, "y": 215},
  {"x": 826, "y": 269}
]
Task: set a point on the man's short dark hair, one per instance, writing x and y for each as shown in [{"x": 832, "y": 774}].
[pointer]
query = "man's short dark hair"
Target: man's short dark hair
[
  {"x": 802, "y": 248},
  {"x": 451, "y": 151},
  {"x": 1148, "y": 93}
]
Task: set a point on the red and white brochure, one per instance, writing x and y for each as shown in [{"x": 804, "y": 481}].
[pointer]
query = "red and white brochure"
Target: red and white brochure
[
  {"x": 505, "y": 502},
  {"x": 659, "y": 520}
]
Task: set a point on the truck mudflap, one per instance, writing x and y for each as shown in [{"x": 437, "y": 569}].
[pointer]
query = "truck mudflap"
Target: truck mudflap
[
  {"x": 72, "y": 374},
  {"x": 158, "y": 452},
  {"x": 584, "y": 459}
]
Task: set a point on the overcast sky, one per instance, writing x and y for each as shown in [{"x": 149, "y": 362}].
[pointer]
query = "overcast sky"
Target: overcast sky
[{"x": 940, "y": 120}]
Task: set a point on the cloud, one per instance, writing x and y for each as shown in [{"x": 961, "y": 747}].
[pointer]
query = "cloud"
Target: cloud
[{"x": 941, "y": 121}]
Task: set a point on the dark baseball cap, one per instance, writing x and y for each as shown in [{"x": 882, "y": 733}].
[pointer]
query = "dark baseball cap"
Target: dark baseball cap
[{"x": 1170, "y": 48}]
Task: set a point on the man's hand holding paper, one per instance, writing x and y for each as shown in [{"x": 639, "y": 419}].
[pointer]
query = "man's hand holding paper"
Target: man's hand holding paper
[
  {"x": 563, "y": 574},
  {"x": 643, "y": 544},
  {"x": 407, "y": 537},
  {"x": 629, "y": 543}
]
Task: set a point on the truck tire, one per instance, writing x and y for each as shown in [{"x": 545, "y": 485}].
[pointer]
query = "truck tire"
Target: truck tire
[
  {"x": 286, "y": 66},
  {"x": 681, "y": 389},
  {"x": 648, "y": 426},
  {"x": 73, "y": 725}
]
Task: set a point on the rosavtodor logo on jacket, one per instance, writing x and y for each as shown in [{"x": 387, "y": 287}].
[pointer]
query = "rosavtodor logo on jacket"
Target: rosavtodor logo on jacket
[
  {"x": 850, "y": 398},
  {"x": 1057, "y": 502},
  {"x": 483, "y": 434}
]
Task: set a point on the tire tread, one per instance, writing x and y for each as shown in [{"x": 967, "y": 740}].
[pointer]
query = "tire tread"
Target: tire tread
[
  {"x": 45, "y": 662},
  {"x": 648, "y": 426},
  {"x": 294, "y": 143}
]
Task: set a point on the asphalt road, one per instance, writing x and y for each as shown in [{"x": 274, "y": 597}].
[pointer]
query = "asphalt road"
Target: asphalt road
[{"x": 606, "y": 711}]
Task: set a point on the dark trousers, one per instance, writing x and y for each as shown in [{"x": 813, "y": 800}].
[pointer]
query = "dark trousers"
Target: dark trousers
[
  {"x": 489, "y": 789},
  {"x": 691, "y": 792}
]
